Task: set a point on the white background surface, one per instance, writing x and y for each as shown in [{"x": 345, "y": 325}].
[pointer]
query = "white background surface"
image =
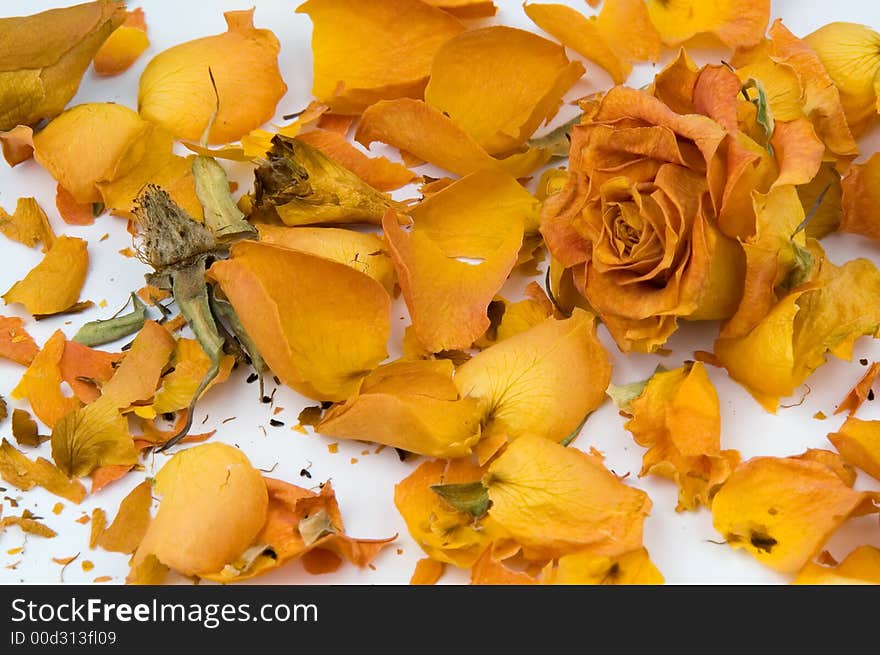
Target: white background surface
[{"x": 680, "y": 544}]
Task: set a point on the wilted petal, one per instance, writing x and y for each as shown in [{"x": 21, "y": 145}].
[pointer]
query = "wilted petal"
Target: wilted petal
[
  {"x": 321, "y": 326},
  {"x": 783, "y": 510},
  {"x": 176, "y": 90},
  {"x": 53, "y": 285},
  {"x": 479, "y": 218},
  {"x": 28, "y": 224},
  {"x": 394, "y": 40}
]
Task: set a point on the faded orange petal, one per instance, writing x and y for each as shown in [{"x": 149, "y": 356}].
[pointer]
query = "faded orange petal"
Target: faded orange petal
[
  {"x": 618, "y": 37},
  {"x": 379, "y": 172},
  {"x": 321, "y": 326},
  {"x": 735, "y": 23},
  {"x": 858, "y": 442},
  {"x": 85, "y": 369},
  {"x": 489, "y": 571},
  {"x": 555, "y": 500},
  {"x": 783, "y": 510},
  {"x": 542, "y": 382},
  {"x": 427, "y": 572},
  {"x": 176, "y": 90},
  {"x": 28, "y": 224},
  {"x": 71, "y": 211},
  {"x": 15, "y": 343},
  {"x": 677, "y": 417},
  {"x": 860, "y": 391},
  {"x": 499, "y": 84},
  {"x": 480, "y": 219},
  {"x": 41, "y": 383},
  {"x": 17, "y": 144},
  {"x": 132, "y": 519},
  {"x": 177, "y": 388},
  {"x": 798, "y": 151},
  {"x": 137, "y": 377},
  {"x": 860, "y": 198},
  {"x": 413, "y": 406},
  {"x": 395, "y": 42},
  {"x": 124, "y": 45},
  {"x": 421, "y": 130},
  {"x": 53, "y": 285}
]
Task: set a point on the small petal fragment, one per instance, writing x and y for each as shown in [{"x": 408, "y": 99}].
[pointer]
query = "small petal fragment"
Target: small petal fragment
[
  {"x": 28, "y": 225},
  {"x": 41, "y": 383},
  {"x": 413, "y": 406},
  {"x": 858, "y": 442},
  {"x": 395, "y": 42},
  {"x": 321, "y": 326},
  {"x": 177, "y": 92},
  {"x": 127, "y": 531},
  {"x": 783, "y": 510},
  {"x": 53, "y": 286},
  {"x": 15, "y": 343},
  {"x": 860, "y": 392}
]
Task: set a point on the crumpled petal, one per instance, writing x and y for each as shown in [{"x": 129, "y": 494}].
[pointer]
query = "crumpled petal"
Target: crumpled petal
[
  {"x": 41, "y": 383},
  {"x": 465, "y": 8},
  {"x": 132, "y": 519},
  {"x": 15, "y": 343},
  {"x": 202, "y": 488},
  {"x": 419, "y": 129},
  {"x": 851, "y": 55},
  {"x": 499, "y": 84},
  {"x": 481, "y": 217},
  {"x": 17, "y": 144},
  {"x": 395, "y": 42},
  {"x": 287, "y": 534},
  {"x": 858, "y": 442},
  {"x": 736, "y": 23},
  {"x": 798, "y": 86},
  {"x": 543, "y": 382},
  {"x": 677, "y": 417},
  {"x": 321, "y": 326},
  {"x": 23, "y": 473},
  {"x": 860, "y": 198},
  {"x": 125, "y": 153},
  {"x": 555, "y": 501},
  {"x": 861, "y": 566},
  {"x": 28, "y": 224},
  {"x": 633, "y": 568},
  {"x": 379, "y": 172},
  {"x": 791, "y": 341},
  {"x": 44, "y": 56},
  {"x": 414, "y": 406},
  {"x": 621, "y": 35},
  {"x": 444, "y": 533},
  {"x": 857, "y": 395},
  {"x": 92, "y": 436},
  {"x": 782, "y": 510},
  {"x": 53, "y": 285},
  {"x": 124, "y": 46},
  {"x": 363, "y": 252},
  {"x": 176, "y": 90}
]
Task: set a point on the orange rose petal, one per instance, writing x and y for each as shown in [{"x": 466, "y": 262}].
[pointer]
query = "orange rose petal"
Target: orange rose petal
[
  {"x": 413, "y": 406},
  {"x": 104, "y": 475},
  {"x": 480, "y": 217},
  {"x": 17, "y": 144},
  {"x": 677, "y": 417},
  {"x": 798, "y": 150},
  {"x": 499, "y": 84},
  {"x": 735, "y": 23},
  {"x": 489, "y": 571},
  {"x": 619, "y": 36},
  {"x": 783, "y": 510},
  {"x": 124, "y": 46},
  {"x": 41, "y": 383},
  {"x": 15, "y": 343},
  {"x": 421, "y": 130},
  {"x": 379, "y": 172},
  {"x": 137, "y": 377},
  {"x": 427, "y": 572},
  {"x": 177, "y": 93},
  {"x": 28, "y": 224},
  {"x": 320, "y": 561},
  {"x": 859, "y": 444},
  {"x": 856, "y": 396},
  {"x": 396, "y": 41},
  {"x": 129, "y": 526},
  {"x": 321, "y": 326},
  {"x": 53, "y": 286},
  {"x": 339, "y": 123},
  {"x": 85, "y": 368},
  {"x": 860, "y": 198},
  {"x": 71, "y": 211}
]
